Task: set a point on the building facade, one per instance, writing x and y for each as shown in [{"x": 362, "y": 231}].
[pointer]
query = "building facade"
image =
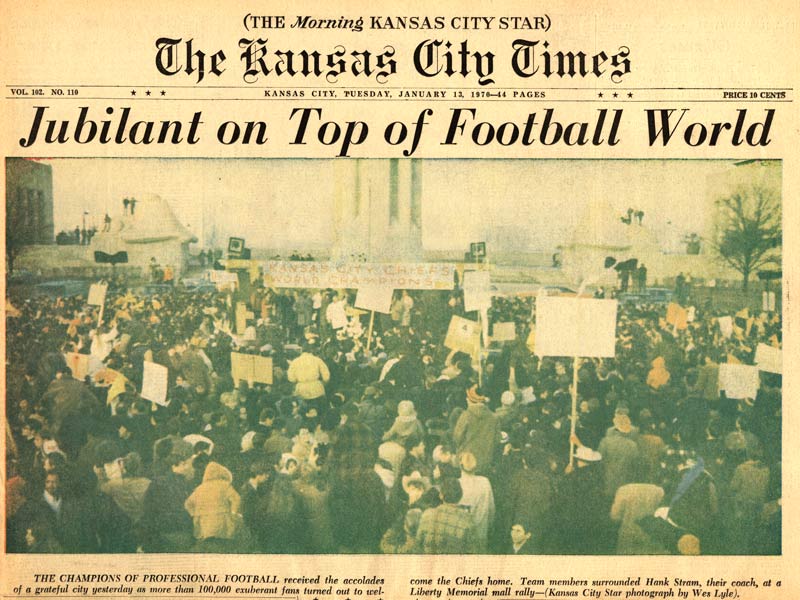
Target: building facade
[{"x": 29, "y": 202}]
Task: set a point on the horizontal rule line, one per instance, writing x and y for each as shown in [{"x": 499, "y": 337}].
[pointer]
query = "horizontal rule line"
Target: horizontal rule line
[
  {"x": 299, "y": 87},
  {"x": 461, "y": 100}
]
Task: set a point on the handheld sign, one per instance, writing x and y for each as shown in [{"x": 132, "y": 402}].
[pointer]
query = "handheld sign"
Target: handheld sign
[
  {"x": 575, "y": 327},
  {"x": 250, "y": 367},
  {"x": 374, "y": 298},
  {"x": 769, "y": 359},
  {"x": 477, "y": 290},
  {"x": 739, "y": 382},
  {"x": 154, "y": 383},
  {"x": 504, "y": 332},
  {"x": 463, "y": 335},
  {"x": 97, "y": 294}
]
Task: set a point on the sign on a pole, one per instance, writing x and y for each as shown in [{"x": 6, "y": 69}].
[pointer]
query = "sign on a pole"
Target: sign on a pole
[
  {"x": 463, "y": 335},
  {"x": 375, "y": 298},
  {"x": 97, "y": 294},
  {"x": 575, "y": 327},
  {"x": 477, "y": 290}
]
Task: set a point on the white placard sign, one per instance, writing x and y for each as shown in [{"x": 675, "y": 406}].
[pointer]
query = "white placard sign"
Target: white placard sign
[
  {"x": 769, "y": 359},
  {"x": 504, "y": 332},
  {"x": 738, "y": 381},
  {"x": 97, "y": 294},
  {"x": 477, "y": 290},
  {"x": 463, "y": 335},
  {"x": 375, "y": 298},
  {"x": 575, "y": 327},
  {"x": 154, "y": 383},
  {"x": 249, "y": 367}
]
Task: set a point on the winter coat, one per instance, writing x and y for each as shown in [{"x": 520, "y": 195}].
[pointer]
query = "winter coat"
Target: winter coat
[
  {"x": 632, "y": 502},
  {"x": 214, "y": 505},
  {"x": 478, "y": 431},
  {"x": 309, "y": 373}
]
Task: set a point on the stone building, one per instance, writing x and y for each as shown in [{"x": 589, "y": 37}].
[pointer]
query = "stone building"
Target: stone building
[{"x": 29, "y": 202}]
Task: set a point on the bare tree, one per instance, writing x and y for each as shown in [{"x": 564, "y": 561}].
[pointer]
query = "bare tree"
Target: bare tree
[{"x": 749, "y": 231}]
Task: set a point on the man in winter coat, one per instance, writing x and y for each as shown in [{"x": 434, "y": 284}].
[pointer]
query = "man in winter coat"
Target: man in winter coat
[{"x": 477, "y": 431}]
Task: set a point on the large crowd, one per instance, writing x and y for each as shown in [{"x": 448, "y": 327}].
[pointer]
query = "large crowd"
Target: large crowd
[{"x": 395, "y": 444}]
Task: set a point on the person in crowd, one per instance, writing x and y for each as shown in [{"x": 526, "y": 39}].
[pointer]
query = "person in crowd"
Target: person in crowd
[
  {"x": 477, "y": 495},
  {"x": 214, "y": 506},
  {"x": 356, "y": 450},
  {"x": 449, "y": 528},
  {"x": 521, "y": 541},
  {"x": 477, "y": 431}
]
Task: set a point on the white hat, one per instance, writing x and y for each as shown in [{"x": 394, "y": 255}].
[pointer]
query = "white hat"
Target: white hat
[{"x": 586, "y": 454}]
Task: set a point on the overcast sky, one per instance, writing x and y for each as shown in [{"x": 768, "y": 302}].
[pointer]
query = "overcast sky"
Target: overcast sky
[{"x": 286, "y": 203}]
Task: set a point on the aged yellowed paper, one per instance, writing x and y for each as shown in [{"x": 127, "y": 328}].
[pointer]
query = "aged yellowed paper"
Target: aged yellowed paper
[{"x": 401, "y": 300}]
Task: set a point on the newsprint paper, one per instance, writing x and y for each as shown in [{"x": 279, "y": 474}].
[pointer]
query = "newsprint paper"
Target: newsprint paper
[{"x": 400, "y": 300}]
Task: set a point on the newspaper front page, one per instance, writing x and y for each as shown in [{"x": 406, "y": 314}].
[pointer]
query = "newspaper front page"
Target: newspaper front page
[{"x": 399, "y": 300}]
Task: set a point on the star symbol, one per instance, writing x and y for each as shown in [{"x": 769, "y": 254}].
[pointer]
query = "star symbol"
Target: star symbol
[
  {"x": 600, "y": 94},
  {"x": 133, "y": 92},
  {"x": 630, "y": 94},
  {"x": 147, "y": 92},
  {"x": 615, "y": 94},
  {"x": 163, "y": 93}
]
